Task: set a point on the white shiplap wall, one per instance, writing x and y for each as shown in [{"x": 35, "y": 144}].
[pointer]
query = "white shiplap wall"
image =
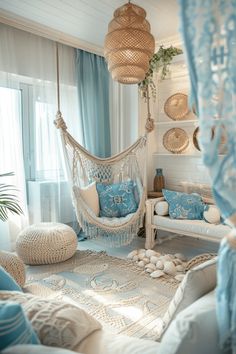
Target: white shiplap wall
[{"x": 177, "y": 168}]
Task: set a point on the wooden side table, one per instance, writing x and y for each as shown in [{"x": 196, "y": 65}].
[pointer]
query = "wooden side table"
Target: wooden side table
[{"x": 152, "y": 194}]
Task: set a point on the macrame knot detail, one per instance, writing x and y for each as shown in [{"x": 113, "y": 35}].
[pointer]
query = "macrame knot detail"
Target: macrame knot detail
[
  {"x": 59, "y": 121},
  {"x": 149, "y": 126}
]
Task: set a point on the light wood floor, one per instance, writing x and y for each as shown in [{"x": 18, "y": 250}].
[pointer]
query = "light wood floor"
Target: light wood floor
[{"x": 189, "y": 246}]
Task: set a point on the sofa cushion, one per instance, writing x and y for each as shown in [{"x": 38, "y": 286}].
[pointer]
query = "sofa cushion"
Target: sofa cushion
[
  {"x": 35, "y": 349},
  {"x": 15, "y": 327},
  {"x": 90, "y": 196},
  {"x": 197, "y": 282},
  {"x": 184, "y": 205},
  {"x": 7, "y": 282},
  {"x": 117, "y": 200},
  {"x": 56, "y": 323},
  {"x": 194, "y": 330},
  {"x": 212, "y": 214},
  {"x": 161, "y": 208}
]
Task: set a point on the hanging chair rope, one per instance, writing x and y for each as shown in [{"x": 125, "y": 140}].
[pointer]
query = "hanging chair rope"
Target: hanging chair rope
[{"x": 84, "y": 168}]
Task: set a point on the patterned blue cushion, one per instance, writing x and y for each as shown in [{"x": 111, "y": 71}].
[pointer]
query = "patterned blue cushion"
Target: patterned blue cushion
[
  {"x": 15, "y": 327},
  {"x": 7, "y": 282},
  {"x": 116, "y": 200},
  {"x": 184, "y": 205}
]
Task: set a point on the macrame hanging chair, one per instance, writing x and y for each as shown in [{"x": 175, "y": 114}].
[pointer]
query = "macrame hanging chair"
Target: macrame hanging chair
[{"x": 84, "y": 168}]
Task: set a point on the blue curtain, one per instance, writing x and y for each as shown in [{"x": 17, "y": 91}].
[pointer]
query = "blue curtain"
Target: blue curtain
[
  {"x": 93, "y": 91},
  {"x": 209, "y": 32}
]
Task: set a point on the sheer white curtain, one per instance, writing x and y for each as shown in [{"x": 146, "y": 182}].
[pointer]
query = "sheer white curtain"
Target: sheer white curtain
[
  {"x": 124, "y": 115},
  {"x": 29, "y": 144}
]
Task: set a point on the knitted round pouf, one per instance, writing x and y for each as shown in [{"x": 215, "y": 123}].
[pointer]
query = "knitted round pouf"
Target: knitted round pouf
[
  {"x": 46, "y": 243},
  {"x": 14, "y": 266}
]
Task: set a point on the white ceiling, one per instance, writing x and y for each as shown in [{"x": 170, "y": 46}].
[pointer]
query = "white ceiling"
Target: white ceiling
[{"x": 87, "y": 20}]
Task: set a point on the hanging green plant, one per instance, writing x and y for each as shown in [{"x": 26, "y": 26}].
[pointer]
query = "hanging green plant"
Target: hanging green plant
[{"x": 161, "y": 60}]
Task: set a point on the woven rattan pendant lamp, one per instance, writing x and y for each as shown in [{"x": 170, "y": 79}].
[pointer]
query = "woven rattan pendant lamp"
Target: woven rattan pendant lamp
[{"x": 129, "y": 45}]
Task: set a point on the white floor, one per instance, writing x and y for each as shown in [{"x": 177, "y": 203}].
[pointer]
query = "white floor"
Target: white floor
[{"x": 189, "y": 246}]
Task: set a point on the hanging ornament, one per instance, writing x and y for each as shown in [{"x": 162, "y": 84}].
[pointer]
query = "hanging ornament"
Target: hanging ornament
[{"x": 129, "y": 45}]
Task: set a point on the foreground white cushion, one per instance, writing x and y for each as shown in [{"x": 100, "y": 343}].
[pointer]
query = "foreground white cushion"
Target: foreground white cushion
[
  {"x": 35, "y": 349},
  {"x": 197, "y": 282},
  {"x": 194, "y": 330},
  {"x": 104, "y": 342},
  {"x": 162, "y": 208},
  {"x": 57, "y": 324}
]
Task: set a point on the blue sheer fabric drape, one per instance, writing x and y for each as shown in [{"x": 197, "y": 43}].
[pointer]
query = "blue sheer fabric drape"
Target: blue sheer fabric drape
[
  {"x": 209, "y": 33},
  {"x": 93, "y": 91}
]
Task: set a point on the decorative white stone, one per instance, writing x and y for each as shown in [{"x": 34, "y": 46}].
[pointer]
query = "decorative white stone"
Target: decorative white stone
[
  {"x": 141, "y": 250},
  {"x": 159, "y": 265},
  {"x": 180, "y": 268},
  {"x": 177, "y": 261},
  {"x": 146, "y": 260},
  {"x": 141, "y": 264},
  {"x": 141, "y": 256},
  {"x": 135, "y": 258},
  {"x": 166, "y": 258},
  {"x": 179, "y": 277},
  {"x": 153, "y": 259},
  {"x": 157, "y": 274},
  {"x": 131, "y": 254},
  {"x": 149, "y": 270},
  {"x": 169, "y": 268},
  {"x": 181, "y": 257},
  {"x": 150, "y": 266},
  {"x": 150, "y": 253}
]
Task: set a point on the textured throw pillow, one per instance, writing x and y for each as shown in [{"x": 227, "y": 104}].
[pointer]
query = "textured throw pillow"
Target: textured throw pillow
[
  {"x": 194, "y": 330},
  {"x": 90, "y": 196},
  {"x": 162, "y": 208},
  {"x": 116, "y": 200},
  {"x": 57, "y": 324},
  {"x": 197, "y": 282},
  {"x": 184, "y": 205},
  {"x": 36, "y": 349},
  {"x": 212, "y": 214},
  {"x": 15, "y": 328},
  {"x": 7, "y": 282}
]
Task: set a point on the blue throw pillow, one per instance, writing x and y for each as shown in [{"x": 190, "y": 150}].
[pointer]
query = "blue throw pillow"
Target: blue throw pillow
[
  {"x": 7, "y": 282},
  {"x": 15, "y": 327},
  {"x": 116, "y": 200},
  {"x": 184, "y": 205}
]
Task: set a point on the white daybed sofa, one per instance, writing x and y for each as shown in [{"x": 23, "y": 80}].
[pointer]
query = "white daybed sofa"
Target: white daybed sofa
[{"x": 193, "y": 228}]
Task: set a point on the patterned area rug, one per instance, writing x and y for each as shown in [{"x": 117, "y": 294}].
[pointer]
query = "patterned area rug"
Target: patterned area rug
[{"x": 115, "y": 291}]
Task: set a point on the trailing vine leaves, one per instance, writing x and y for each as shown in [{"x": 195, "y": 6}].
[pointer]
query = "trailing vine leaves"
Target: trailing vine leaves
[{"x": 160, "y": 61}]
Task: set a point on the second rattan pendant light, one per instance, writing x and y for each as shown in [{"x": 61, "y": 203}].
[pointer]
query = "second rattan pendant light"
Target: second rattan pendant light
[{"x": 129, "y": 45}]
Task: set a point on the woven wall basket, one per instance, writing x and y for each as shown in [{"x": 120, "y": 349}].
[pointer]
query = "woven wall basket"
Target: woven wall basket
[
  {"x": 175, "y": 140},
  {"x": 222, "y": 149},
  {"x": 129, "y": 44},
  {"x": 176, "y": 106}
]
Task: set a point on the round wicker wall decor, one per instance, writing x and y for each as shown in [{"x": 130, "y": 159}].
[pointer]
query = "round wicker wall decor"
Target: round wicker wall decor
[
  {"x": 223, "y": 143},
  {"x": 176, "y": 106},
  {"x": 176, "y": 140}
]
